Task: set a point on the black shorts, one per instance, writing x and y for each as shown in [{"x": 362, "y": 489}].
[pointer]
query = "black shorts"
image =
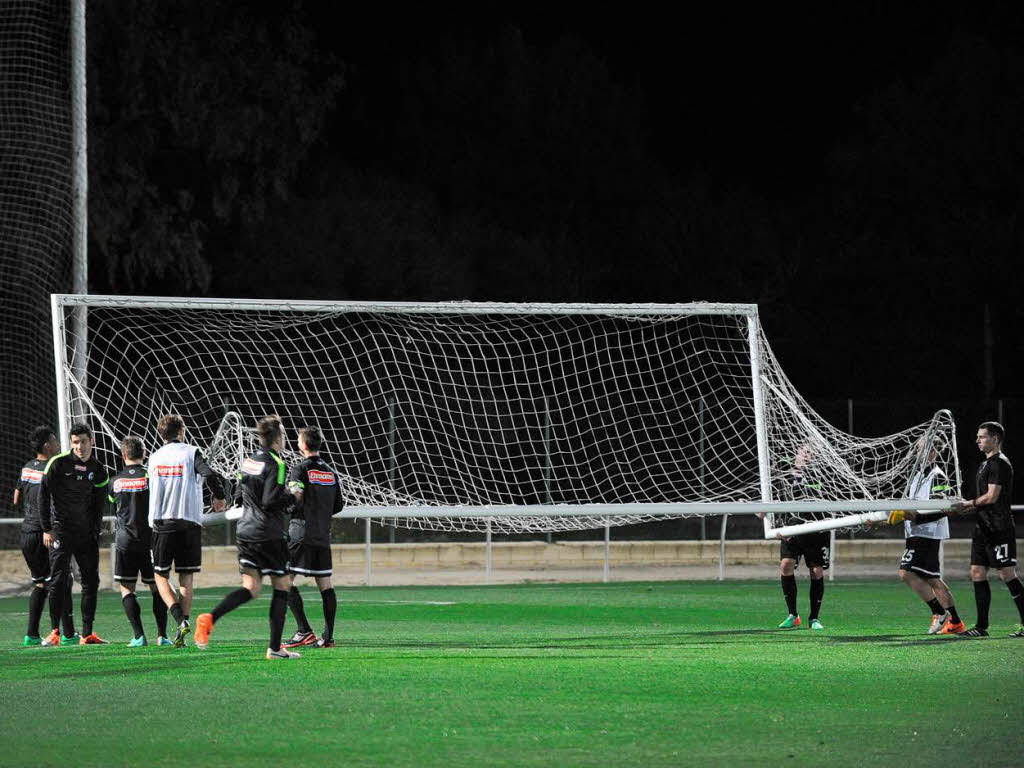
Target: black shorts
[
  {"x": 267, "y": 557},
  {"x": 309, "y": 560},
  {"x": 922, "y": 557},
  {"x": 997, "y": 549},
  {"x": 129, "y": 564},
  {"x": 182, "y": 547},
  {"x": 815, "y": 548},
  {"x": 36, "y": 556}
]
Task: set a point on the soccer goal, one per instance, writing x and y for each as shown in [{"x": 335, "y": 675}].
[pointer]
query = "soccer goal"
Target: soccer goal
[{"x": 493, "y": 416}]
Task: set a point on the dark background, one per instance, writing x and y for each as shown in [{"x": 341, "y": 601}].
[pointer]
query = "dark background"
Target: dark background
[{"x": 855, "y": 171}]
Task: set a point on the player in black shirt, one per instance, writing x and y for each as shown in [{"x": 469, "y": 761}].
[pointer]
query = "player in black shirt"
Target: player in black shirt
[
  {"x": 76, "y": 484},
  {"x": 994, "y": 543},
  {"x": 815, "y": 548},
  {"x": 26, "y": 501},
  {"x": 317, "y": 499},
  {"x": 262, "y": 544},
  {"x": 129, "y": 495}
]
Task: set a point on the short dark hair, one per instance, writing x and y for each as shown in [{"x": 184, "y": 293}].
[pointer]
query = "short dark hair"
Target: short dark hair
[
  {"x": 994, "y": 429},
  {"x": 80, "y": 428},
  {"x": 170, "y": 426},
  {"x": 132, "y": 448},
  {"x": 312, "y": 437},
  {"x": 268, "y": 430},
  {"x": 40, "y": 437}
]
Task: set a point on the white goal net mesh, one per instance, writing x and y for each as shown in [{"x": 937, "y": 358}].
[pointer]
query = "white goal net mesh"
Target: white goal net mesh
[
  {"x": 465, "y": 406},
  {"x": 35, "y": 214}
]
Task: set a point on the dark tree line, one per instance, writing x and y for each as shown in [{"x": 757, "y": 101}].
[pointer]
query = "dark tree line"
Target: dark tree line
[{"x": 232, "y": 153}]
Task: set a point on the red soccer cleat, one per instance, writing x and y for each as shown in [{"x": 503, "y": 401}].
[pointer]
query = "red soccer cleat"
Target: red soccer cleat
[
  {"x": 300, "y": 639},
  {"x": 204, "y": 626},
  {"x": 92, "y": 639},
  {"x": 952, "y": 628}
]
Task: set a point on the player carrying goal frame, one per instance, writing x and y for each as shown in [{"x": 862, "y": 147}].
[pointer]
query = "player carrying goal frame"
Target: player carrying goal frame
[{"x": 506, "y": 417}]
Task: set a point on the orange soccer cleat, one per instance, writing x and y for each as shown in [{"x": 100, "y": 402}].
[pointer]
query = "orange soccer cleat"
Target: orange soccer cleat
[
  {"x": 92, "y": 639},
  {"x": 52, "y": 639},
  {"x": 952, "y": 628},
  {"x": 204, "y": 626}
]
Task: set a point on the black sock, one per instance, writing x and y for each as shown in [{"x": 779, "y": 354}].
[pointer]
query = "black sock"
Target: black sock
[
  {"x": 298, "y": 610},
  {"x": 936, "y": 606},
  {"x": 88, "y": 610},
  {"x": 330, "y": 609},
  {"x": 953, "y": 615},
  {"x": 160, "y": 614},
  {"x": 177, "y": 613},
  {"x": 68, "y": 612},
  {"x": 983, "y": 599},
  {"x": 231, "y": 600},
  {"x": 131, "y": 610},
  {"x": 1017, "y": 593},
  {"x": 817, "y": 593},
  {"x": 278, "y": 609},
  {"x": 789, "y": 591},
  {"x": 36, "y": 601}
]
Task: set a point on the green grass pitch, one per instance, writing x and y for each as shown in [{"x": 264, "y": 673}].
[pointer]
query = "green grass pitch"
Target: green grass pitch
[{"x": 681, "y": 673}]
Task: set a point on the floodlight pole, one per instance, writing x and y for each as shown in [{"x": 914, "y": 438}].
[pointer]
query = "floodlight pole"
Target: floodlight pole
[{"x": 79, "y": 199}]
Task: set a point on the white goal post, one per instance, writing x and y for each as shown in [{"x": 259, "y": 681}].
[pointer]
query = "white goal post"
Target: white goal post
[{"x": 496, "y": 416}]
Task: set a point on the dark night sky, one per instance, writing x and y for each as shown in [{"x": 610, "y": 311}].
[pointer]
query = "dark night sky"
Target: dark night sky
[{"x": 830, "y": 162}]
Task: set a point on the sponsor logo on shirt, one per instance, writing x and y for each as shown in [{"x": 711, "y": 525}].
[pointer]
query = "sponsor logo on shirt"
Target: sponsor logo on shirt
[
  {"x": 319, "y": 477},
  {"x": 130, "y": 485},
  {"x": 33, "y": 476},
  {"x": 253, "y": 467},
  {"x": 81, "y": 468},
  {"x": 170, "y": 470}
]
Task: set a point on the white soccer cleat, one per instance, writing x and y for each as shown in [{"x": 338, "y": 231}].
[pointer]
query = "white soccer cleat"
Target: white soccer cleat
[
  {"x": 284, "y": 653},
  {"x": 938, "y": 622}
]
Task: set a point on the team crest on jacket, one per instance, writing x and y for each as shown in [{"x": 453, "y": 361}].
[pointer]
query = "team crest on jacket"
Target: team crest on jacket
[
  {"x": 33, "y": 476},
  {"x": 253, "y": 467},
  {"x": 319, "y": 477}
]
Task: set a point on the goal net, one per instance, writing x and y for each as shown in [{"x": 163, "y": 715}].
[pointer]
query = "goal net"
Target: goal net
[
  {"x": 517, "y": 417},
  {"x": 35, "y": 214}
]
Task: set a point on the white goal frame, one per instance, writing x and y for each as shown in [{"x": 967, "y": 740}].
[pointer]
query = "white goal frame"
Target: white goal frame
[{"x": 856, "y": 512}]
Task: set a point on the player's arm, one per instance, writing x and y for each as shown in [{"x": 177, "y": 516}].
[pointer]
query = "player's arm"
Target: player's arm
[
  {"x": 213, "y": 481},
  {"x": 45, "y": 520},
  {"x": 339, "y": 500},
  {"x": 100, "y": 499},
  {"x": 297, "y": 479},
  {"x": 275, "y": 488}
]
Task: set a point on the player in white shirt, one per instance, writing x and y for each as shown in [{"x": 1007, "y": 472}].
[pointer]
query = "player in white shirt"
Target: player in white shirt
[
  {"x": 919, "y": 566},
  {"x": 176, "y": 474}
]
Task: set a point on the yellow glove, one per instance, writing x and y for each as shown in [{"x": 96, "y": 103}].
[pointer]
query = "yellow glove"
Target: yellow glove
[{"x": 897, "y": 516}]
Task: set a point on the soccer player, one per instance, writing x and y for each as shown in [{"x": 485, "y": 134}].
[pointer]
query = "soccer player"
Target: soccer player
[
  {"x": 176, "y": 475},
  {"x": 75, "y": 483},
  {"x": 26, "y": 500},
  {"x": 815, "y": 548},
  {"x": 919, "y": 566},
  {"x": 317, "y": 499},
  {"x": 129, "y": 493},
  {"x": 994, "y": 543},
  {"x": 262, "y": 547}
]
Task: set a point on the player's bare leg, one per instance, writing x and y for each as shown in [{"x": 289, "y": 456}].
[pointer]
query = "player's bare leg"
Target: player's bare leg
[
  {"x": 163, "y": 584},
  {"x": 185, "y": 593}
]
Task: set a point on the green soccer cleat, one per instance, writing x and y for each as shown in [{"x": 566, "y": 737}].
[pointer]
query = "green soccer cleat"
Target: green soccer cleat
[
  {"x": 29, "y": 640},
  {"x": 163, "y": 641},
  {"x": 815, "y": 624},
  {"x": 1018, "y": 633},
  {"x": 73, "y": 640},
  {"x": 790, "y": 621},
  {"x": 138, "y": 642}
]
